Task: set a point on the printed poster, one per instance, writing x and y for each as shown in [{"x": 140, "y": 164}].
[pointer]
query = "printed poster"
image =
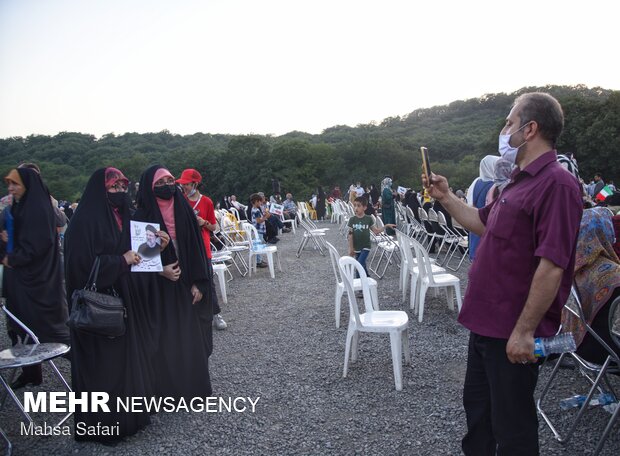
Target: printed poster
[
  {"x": 277, "y": 209},
  {"x": 148, "y": 245}
]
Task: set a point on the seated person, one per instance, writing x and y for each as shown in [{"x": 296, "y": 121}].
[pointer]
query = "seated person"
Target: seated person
[
  {"x": 273, "y": 222},
  {"x": 597, "y": 276},
  {"x": 150, "y": 248},
  {"x": 290, "y": 208},
  {"x": 276, "y": 198},
  {"x": 236, "y": 204},
  {"x": 258, "y": 220}
]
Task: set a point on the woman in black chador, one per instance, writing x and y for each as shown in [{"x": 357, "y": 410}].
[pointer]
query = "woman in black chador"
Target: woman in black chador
[
  {"x": 184, "y": 298},
  {"x": 32, "y": 274},
  {"x": 119, "y": 366}
]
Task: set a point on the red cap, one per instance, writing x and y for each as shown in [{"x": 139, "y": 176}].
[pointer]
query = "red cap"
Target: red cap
[{"x": 189, "y": 176}]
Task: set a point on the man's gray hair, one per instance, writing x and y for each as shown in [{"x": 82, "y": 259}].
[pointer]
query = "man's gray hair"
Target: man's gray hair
[{"x": 543, "y": 109}]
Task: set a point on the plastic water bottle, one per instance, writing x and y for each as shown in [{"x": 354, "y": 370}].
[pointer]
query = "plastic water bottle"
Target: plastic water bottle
[
  {"x": 572, "y": 402},
  {"x": 561, "y": 343},
  {"x": 578, "y": 400}
]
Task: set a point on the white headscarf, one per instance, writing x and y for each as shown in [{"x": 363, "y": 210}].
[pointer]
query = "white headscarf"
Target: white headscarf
[
  {"x": 386, "y": 183},
  {"x": 487, "y": 174}
]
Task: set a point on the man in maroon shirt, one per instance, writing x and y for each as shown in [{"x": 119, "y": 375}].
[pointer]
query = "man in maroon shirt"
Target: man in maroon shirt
[{"x": 520, "y": 279}]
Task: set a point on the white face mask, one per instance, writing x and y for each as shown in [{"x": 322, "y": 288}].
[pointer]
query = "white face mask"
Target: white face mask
[
  {"x": 506, "y": 150},
  {"x": 192, "y": 191}
]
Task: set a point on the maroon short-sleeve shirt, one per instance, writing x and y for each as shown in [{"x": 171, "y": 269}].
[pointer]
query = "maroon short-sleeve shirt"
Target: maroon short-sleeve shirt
[{"x": 536, "y": 216}]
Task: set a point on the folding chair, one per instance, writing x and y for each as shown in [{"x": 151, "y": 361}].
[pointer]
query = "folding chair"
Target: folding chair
[
  {"x": 316, "y": 235},
  {"x": 454, "y": 239},
  {"x": 385, "y": 246},
  {"x": 22, "y": 355},
  {"x": 587, "y": 370}
]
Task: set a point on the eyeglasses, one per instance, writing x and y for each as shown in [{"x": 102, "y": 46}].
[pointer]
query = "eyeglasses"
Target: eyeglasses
[
  {"x": 164, "y": 181},
  {"x": 119, "y": 187}
]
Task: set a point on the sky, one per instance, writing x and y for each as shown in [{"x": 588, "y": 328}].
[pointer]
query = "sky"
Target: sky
[{"x": 274, "y": 66}]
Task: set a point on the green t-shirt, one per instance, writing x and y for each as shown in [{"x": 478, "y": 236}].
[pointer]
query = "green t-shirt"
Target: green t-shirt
[{"x": 360, "y": 227}]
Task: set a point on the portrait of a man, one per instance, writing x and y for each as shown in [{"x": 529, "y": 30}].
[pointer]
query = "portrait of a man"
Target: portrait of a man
[{"x": 150, "y": 248}]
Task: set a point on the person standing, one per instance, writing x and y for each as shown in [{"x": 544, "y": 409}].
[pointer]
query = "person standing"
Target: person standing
[
  {"x": 520, "y": 280},
  {"x": 477, "y": 194},
  {"x": 202, "y": 205},
  {"x": 184, "y": 293},
  {"x": 32, "y": 282},
  {"x": 388, "y": 210},
  {"x": 120, "y": 366},
  {"x": 320, "y": 203}
]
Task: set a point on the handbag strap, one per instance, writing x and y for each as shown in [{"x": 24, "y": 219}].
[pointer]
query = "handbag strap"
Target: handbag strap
[{"x": 92, "y": 277}]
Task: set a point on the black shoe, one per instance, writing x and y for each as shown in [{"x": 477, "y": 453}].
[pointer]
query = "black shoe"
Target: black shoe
[
  {"x": 273, "y": 240},
  {"x": 262, "y": 265},
  {"x": 286, "y": 230},
  {"x": 23, "y": 381}
]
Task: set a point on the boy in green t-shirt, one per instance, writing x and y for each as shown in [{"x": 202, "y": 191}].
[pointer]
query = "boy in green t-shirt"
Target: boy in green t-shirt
[{"x": 359, "y": 231}]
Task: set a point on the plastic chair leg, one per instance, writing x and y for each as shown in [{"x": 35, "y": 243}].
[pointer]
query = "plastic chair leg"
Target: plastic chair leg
[
  {"x": 422, "y": 297},
  {"x": 347, "y": 351},
  {"x": 396, "y": 346},
  {"x": 339, "y": 293},
  {"x": 375, "y": 297},
  {"x": 355, "y": 346},
  {"x": 270, "y": 263},
  {"x": 221, "y": 278},
  {"x": 459, "y": 301},
  {"x": 413, "y": 294},
  {"x": 407, "y": 353},
  {"x": 450, "y": 296}
]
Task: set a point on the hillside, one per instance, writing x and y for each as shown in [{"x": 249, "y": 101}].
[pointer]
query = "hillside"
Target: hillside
[{"x": 457, "y": 135}]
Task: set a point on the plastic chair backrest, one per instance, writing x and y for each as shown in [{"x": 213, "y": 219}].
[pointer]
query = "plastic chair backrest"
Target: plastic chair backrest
[
  {"x": 441, "y": 219},
  {"x": 404, "y": 244},
  {"x": 432, "y": 215},
  {"x": 422, "y": 213},
  {"x": 424, "y": 262},
  {"x": 348, "y": 267},
  {"x": 409, "y": 213},
  {"x": 335, "y": 257},
  {"x": 251, "y": 233},
  {"x": 379, "y": 222}
]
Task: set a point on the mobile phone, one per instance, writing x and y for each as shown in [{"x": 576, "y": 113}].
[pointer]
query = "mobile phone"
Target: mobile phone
[{"x": 426, "y": 163}]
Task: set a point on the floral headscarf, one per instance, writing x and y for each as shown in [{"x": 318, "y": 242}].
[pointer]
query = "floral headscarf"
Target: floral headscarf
[
  {"x": 597, "y": 268},
  {"x": 386, "y": 183}
]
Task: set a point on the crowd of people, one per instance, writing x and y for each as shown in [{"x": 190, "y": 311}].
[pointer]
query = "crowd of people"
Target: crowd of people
[
  {"x": 535, "y": 229},
  {"x": 169, "y": 315}
]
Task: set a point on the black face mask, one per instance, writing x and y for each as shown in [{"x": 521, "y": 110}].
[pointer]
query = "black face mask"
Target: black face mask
[
  {"x": 165, "y": 191},
  {"x": 118, "y": 199}
]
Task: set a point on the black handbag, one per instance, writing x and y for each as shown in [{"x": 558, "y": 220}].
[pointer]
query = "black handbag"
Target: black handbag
[{"x": 97, "y": 313}]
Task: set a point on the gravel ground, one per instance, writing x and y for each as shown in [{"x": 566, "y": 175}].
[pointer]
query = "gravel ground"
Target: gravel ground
[{"x": 282, "y": 346}]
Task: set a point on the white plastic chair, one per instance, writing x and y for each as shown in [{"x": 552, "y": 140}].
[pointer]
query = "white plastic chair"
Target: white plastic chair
[
  {"x": 220, "y": 269},
  {"x": 410, "y": 269},
  {"x": 428, "y": 279},
  {"x": 291, "y": 222},
  {"x": 357, "y": 284},
  {"x": 393, "y": 322},
  {"x": 257, "y": 248}
]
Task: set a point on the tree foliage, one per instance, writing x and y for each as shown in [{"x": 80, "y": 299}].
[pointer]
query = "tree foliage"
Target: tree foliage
[{"x": 458, "y": 135}]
